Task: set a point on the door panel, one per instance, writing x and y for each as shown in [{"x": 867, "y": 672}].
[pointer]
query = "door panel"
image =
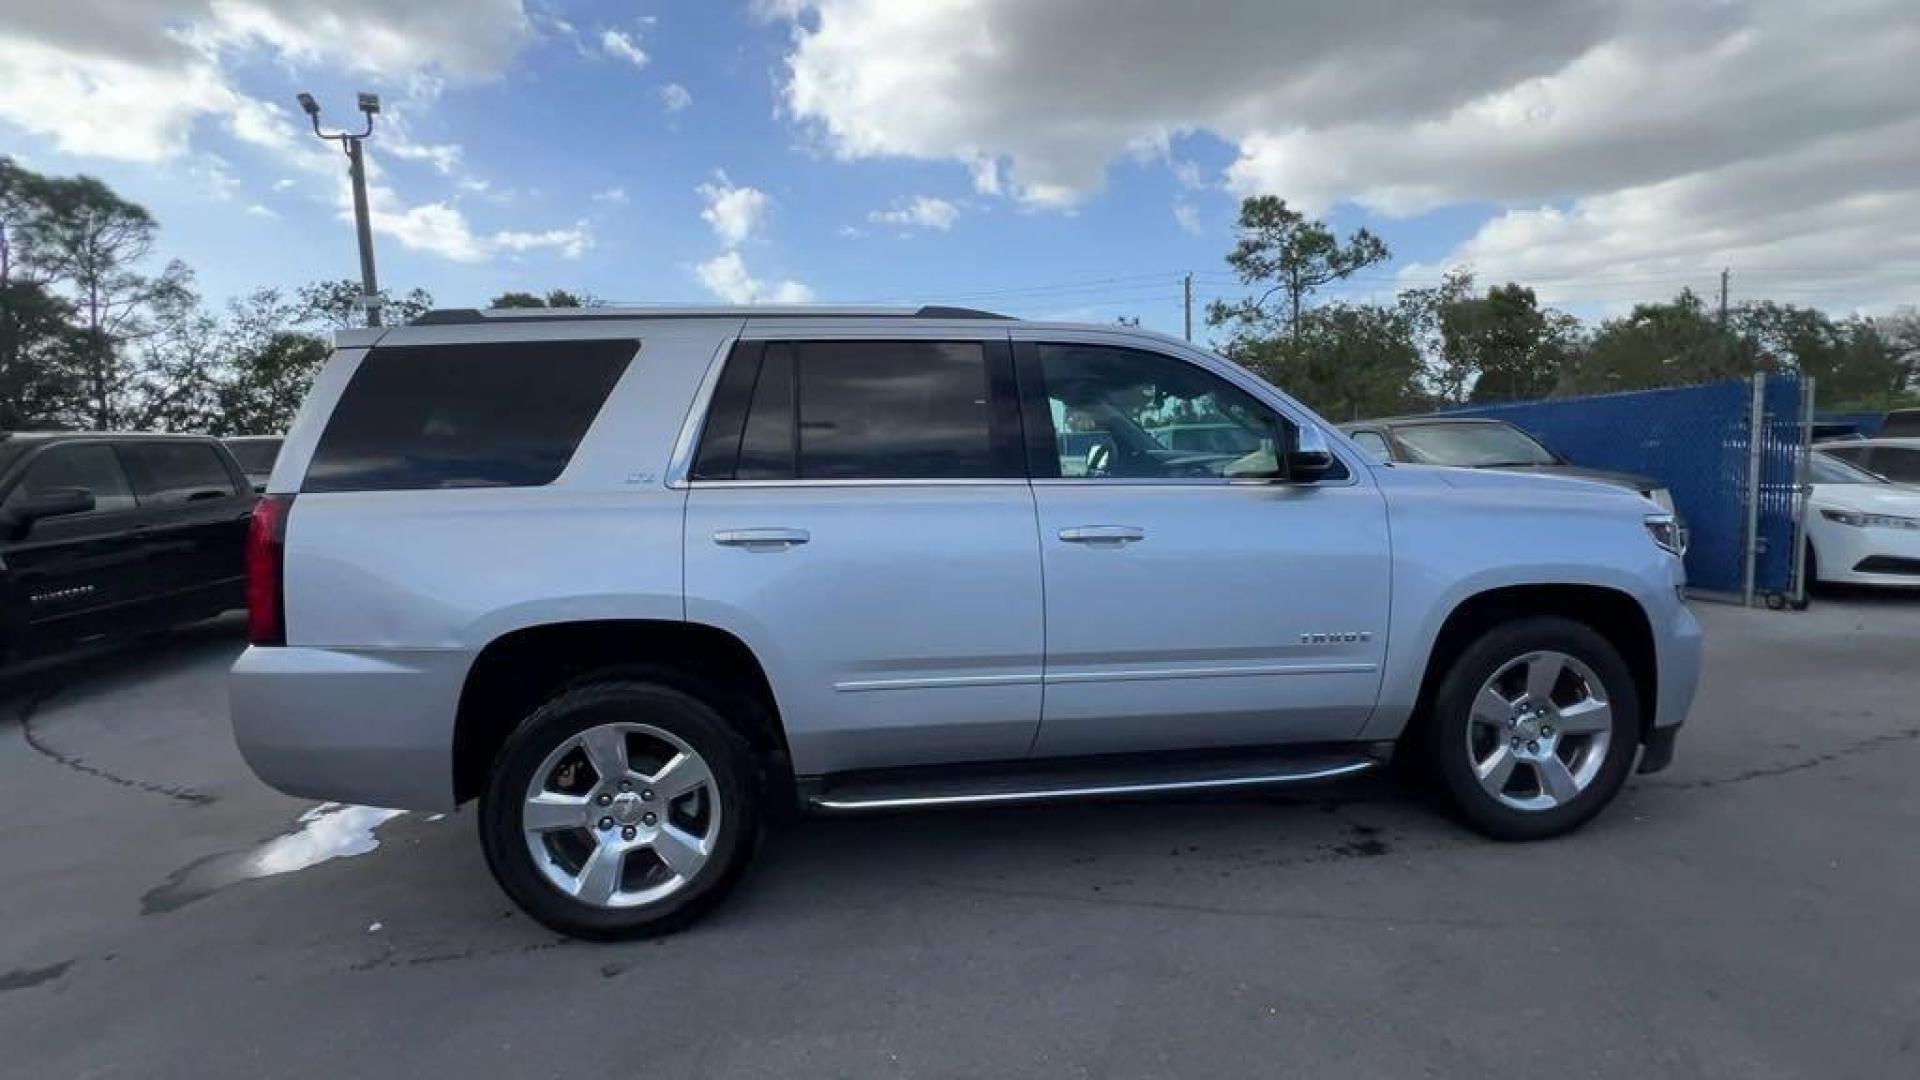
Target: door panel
[
  {"x": 860, "y": 517},
  {"x": 1192, "y": 600},
  {"x": 79, "y": 575},
  {"x": 903, "y": 629},
  {"x": 1243, "y": 614},
  {"x": 196, "y": 520}
]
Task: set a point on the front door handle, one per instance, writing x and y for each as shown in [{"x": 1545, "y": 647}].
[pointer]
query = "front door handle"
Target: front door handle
[
  {"x": 1103, "y": 535},
  {"x": 761, "y": 539}
]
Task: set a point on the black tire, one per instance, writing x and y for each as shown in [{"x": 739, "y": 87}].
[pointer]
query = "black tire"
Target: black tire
[
  {"x": 574, "y": 710},
  {"x": 1453, "y": 704}
]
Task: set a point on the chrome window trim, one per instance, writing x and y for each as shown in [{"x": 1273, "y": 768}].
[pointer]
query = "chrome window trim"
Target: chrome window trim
[
  {"x": 681, "y": 461},
  {"x": 931, "y": 481}
]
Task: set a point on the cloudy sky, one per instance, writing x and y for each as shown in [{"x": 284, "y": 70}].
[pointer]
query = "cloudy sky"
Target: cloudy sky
[{"x": 1071, "y": 158}]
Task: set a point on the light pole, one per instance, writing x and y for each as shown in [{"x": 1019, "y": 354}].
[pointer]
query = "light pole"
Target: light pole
[{"x": 357, "y": 169}]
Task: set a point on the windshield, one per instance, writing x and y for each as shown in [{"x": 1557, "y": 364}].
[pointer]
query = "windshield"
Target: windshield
[
  {"x": 1476, "y": 446},
  {"x": 1827, "y": 469}
]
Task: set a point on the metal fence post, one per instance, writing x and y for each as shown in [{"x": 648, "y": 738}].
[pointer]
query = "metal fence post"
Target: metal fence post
[
  {"x": 1803, "y": 492},
  {"x": 1756, "y": 433}
]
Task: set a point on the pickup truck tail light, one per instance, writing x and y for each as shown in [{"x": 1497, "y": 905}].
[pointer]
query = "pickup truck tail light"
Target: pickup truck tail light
[{"x": 267, "y": 570}]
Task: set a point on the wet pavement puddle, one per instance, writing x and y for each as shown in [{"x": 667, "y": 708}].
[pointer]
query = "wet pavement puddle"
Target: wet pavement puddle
[{"x": 326, "y": 832}]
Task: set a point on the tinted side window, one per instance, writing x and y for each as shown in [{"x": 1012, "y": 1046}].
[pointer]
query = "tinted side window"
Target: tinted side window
[
  {"x": 863, "y": 410},
  {"x": 170, "y": 473},
  {"x": 767, "y": 443},
  {"x": 1128, "y": 413},
  {"x": 895, "y": 410},
  {"x": 452, "y": 416},
  {"x": 1897, "y": 463},
  {"x": 93, "y": 467}
]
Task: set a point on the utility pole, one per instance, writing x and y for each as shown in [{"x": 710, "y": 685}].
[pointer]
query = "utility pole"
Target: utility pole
[
  {"x": 1186, "y": 294},
  {"x": 1723, "y": 297},
  {"x": 357, "y": 172}
]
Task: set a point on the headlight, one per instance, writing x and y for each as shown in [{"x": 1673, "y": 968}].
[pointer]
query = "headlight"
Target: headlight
[
  {"x": 1666, "y": 533},
  {"x": 1869, "y": 521}
]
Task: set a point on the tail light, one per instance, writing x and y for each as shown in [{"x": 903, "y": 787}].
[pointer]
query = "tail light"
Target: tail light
[{"x": 267, "y": 570}]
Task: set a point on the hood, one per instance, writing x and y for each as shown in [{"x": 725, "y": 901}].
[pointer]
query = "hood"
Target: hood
[
  {"x": 1602, "y": 476},
  {"x": 1520, "y": 481},
  {"x": 1894, "y": 499}
]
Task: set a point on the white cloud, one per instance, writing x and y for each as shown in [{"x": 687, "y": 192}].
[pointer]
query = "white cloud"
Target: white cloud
[
  {"x": 442, "y": 229},
  {"x": 622, "y": 45},
  {"x": 570, "y": 243},
  {"x": 725, "y": 275},
  {"x": 444, "y": 157},
  {"x": 260, "y": 211},
  {"x": 614, "y": 195},
  {"x": 675, "y": 98},
  {"x": 735, "y": 213},
  {"x": 1188, "y": 219},
  {"x": 922, "y": 211},
  {"x": 1642, "y": 128},
  {"x": 107, "y": 79}
]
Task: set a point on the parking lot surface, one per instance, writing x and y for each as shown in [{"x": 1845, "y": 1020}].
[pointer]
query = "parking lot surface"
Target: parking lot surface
[{"x": 1749, "y": 913}]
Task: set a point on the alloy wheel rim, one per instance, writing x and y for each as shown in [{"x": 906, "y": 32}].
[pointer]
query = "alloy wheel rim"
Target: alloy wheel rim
[
  {"x": 1539, "y": 731},
  {"x": 621, "y": 815}
]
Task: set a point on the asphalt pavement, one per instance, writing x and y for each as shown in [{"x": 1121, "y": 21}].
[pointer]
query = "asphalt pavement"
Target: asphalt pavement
[{"x": 1749, "y": 913}]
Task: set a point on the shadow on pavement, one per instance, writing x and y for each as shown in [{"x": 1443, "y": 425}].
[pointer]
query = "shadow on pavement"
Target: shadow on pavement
[{"x": 108, "y": 666}]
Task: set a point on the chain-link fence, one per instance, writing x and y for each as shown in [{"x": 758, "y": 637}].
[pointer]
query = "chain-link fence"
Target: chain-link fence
[{"x": 1740, "y": 501}]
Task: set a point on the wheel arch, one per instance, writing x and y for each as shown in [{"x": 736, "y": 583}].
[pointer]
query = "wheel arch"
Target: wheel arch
[
  {"x": 1612, "y": 613},
  {"x": 519, "y": 669}
]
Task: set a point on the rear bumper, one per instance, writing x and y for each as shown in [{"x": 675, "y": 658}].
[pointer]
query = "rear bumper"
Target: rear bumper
[{"x": 373, "y": 727}]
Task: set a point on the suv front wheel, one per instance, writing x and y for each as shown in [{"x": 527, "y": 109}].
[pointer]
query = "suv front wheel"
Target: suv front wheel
[
  {"x": 1535, "y": 728},
  {"x": 619, "y": 809}
]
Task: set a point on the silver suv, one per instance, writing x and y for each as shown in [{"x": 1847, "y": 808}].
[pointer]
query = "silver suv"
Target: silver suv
[{"x": 636, "y": 579}]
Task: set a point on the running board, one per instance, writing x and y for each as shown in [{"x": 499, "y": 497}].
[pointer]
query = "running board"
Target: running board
[{"x": 1085, "y": 778}]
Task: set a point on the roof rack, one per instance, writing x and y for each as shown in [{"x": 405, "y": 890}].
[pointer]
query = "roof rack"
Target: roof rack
[{"x": 470, "y": 316}]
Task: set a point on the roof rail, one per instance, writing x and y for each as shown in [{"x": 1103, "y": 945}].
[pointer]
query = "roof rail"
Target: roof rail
[{"x": 472, "y": 316}]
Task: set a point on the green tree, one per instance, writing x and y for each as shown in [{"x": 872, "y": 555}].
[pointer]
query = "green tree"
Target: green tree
[
  {"x": 1349, "y": 362},
  {"x": 1660, "y": 344},
  {"x": 40, "y": 378},
  {"x": 1849, "y": 360},
  {"x": 1516, "y": 348},
  {"x": 91, "y": 245},
  {"x": 270, "y": 364},
  {"x": 555, "y": 298},
  {"x": 335, "y": 304},
  {"x": 1292, "y": 256}
]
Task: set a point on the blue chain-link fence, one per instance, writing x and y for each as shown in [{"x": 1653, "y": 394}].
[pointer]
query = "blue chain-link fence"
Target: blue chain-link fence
[{"x": 1695, "y": 440}]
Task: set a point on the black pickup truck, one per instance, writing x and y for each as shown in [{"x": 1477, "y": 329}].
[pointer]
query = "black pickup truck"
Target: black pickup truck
[{"x": 107, "y": 535}]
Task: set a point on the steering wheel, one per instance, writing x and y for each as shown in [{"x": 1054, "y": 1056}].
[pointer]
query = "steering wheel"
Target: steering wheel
[{"x": 1099, "y": 459}]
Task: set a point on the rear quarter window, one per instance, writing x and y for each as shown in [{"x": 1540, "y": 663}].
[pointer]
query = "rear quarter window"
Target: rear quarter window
[{"x": 500, "y": 414}]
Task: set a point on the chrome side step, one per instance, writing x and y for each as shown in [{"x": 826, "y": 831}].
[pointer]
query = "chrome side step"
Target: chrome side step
[{"x": 1059, "y": 782}]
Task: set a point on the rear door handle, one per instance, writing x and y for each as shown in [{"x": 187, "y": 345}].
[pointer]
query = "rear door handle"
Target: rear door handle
[
  {"x": 761, "y": 539},
  {"x": 1103, "y": 535}
]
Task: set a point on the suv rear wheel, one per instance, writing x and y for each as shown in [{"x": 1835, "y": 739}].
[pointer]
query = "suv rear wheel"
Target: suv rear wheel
[
  {"x": 1535, "y": 728},
  {"x": 620, "y": 809}
]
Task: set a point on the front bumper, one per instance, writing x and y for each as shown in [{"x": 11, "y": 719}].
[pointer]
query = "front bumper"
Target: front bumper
[
  {"x": 373, "y": 727},
  {"x": 1869, "y": 556},
  {"x": 1657, "y": 752}
]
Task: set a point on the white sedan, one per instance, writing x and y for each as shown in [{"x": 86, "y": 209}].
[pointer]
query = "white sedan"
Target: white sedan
[{"x": 1861, "y": 528}]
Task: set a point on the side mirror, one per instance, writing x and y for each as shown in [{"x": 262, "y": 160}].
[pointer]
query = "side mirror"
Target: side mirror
[
  {"x": 53, "y": 502},
  {"x": 1310, "y": 459}
]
